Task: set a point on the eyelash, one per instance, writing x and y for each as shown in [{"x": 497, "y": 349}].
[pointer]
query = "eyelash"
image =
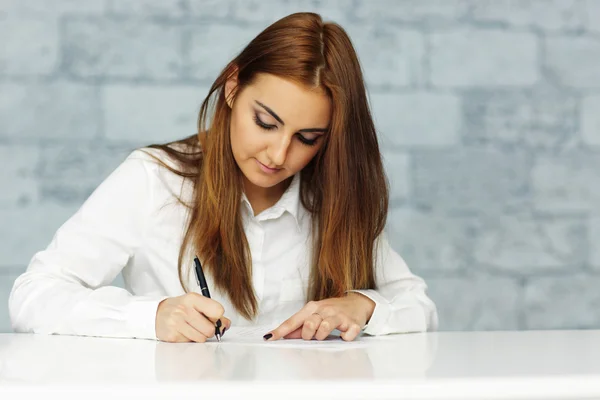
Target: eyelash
[{"x": 267, "y": 127}]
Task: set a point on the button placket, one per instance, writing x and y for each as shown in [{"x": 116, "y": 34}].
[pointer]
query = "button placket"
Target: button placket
[{"x": 256, "y": 241}]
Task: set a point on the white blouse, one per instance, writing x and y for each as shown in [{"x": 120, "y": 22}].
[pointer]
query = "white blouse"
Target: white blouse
[{"x": 133, "y": 224}]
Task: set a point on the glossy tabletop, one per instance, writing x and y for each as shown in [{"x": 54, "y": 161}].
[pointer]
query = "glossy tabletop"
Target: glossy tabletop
[{"x": 441, "y": 365}]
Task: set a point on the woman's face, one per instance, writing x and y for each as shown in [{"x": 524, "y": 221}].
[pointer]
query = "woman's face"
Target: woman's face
[{"x": 277, "y": 127}]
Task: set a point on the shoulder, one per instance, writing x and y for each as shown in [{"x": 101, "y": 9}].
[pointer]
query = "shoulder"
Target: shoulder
[
  {"x": 166, "y": 175},
  {"x": 157, "y": 160},
  {"x": 150, "y": 159},
  {"x": 180, "y": 156},
  {"x": 162, "y": 171}
]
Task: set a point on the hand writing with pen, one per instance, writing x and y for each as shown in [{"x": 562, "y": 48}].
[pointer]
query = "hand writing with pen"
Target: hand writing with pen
[{"x": 189, "y": 318}]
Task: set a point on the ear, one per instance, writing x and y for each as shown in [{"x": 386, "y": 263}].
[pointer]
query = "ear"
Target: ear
[{"x": 231, "y": 88}]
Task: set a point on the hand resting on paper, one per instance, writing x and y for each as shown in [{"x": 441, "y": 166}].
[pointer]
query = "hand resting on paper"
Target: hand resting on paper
[{"x": 317, "y": 319}]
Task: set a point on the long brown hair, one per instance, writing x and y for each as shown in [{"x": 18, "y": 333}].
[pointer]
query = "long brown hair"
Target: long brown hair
[{"x": 344, "y": 187}]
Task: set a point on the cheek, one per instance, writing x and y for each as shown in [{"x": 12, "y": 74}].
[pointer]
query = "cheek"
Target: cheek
[
  {"x": 241, "y": 133},
  {"x": 302, "y": 155},
  {"x": 234, "y": 126}
]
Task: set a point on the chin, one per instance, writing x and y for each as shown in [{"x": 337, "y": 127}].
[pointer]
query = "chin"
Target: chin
[{"x": 264, "y": 181}]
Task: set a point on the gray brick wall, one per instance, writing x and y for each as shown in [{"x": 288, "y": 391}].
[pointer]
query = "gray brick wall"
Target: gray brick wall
[{"x": 488, "y": 111}]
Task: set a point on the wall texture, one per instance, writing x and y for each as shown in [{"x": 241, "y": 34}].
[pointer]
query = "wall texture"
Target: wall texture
[{"x": 488, "y": 111}]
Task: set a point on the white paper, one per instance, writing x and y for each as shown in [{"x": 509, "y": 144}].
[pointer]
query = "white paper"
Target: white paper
[{"x": 253, "y": 335}]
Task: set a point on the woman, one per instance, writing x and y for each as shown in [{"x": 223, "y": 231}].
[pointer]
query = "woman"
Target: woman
[{"x": 281, "y": 195}]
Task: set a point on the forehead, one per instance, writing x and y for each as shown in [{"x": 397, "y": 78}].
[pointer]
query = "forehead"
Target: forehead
[{"x": 297, "y": 105}]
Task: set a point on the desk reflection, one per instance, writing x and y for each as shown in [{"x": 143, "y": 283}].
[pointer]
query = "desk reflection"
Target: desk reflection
[{"x": 31, "y": 358}]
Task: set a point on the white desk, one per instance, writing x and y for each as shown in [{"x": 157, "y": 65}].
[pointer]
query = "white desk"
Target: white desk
[{"x": 444, "y": 365}]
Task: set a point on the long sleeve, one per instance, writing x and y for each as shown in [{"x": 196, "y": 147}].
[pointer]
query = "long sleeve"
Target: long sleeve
[
  {"x": 401, "y": 302},
  {"x": 64, "y": 289}
]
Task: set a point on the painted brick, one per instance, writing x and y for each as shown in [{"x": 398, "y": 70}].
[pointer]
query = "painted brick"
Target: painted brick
[
  {"x": 57, "y": 110},
  {"x": 29, "y": 46},
  {"x": 590, "y": 120},
  {"x": 541, "y": 14},
  {"x": 431, "y": 241},
  {"x": 268, "y": 11},
  {"x": 403, "y": 118},
  {"x": 397, "y": 167},
  {"x": 389, "y": 55},
  {"x": 524, "y": 244},
  {"x": 433, "y": 11},
  {"x": 562, "y": 302},
  {"x": 567, "y": 183},
  {"x": 149, "y": 8},
  {"x": 572, "y": 61},
  {"x": 122, "y": 48},
  {"x": 150, "y": 114},
  {"x": 17, "y": 177},
  {"x": 540, "y": 119},
  {"x": 31, "y": 229},
  {"x": 471, "y": 180},
  {"x": 213, "y": 46},
  {"x": 68, "y": 174},
  {"x": 483, "y": 58},
  {"x": 476, "y": 302}
]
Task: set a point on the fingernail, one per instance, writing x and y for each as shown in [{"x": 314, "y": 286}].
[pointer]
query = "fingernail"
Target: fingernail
[
  {"x": 222, "y": 333},
  {"x": 268, "y": 336}
]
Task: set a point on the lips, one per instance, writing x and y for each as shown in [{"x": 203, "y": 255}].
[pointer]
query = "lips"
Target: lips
[{"x": 267, "y": 169}]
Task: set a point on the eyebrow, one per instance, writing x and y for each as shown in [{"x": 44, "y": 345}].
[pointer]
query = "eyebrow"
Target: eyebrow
[{"x": 274, "y": 115}]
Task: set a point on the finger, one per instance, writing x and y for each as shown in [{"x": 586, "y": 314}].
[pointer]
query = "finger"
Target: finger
[
  {"x": 191, "y": 334},
  {"x": 199, "y": 322},
  {"x": 169, "y": 331},
  {"x": 327, "y": 326},
  {"x": 292, "y": 323},
  {"x": 345, "y": 324},
  {"x": 174, "y": 334},
  {"x": 311, "y": 324},
  {"x": 351, "y": 333},
  {"x": 289, "y": 325},
  {"x": 226, "y": 324},
  {"x": 212, "y": 309},
  {"x": 297, "y": 334},
  {"x": 175, "y": 337}
]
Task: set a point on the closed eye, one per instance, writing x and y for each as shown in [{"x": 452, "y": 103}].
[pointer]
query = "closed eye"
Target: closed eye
[
  {"x": 304, "y": 140},
  {"x": 262, "y": 124},
  {"x": 309, "y": 142}
]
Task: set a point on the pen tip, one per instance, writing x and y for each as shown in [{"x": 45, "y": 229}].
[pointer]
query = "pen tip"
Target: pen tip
[{"x": 218, "y": 337}]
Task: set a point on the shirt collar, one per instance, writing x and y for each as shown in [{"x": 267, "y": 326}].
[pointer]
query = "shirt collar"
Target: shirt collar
[{"x": 289, "y": 201}]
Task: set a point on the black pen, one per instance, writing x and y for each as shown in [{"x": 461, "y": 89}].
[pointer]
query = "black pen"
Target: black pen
[{"x": 204, "y": 289}]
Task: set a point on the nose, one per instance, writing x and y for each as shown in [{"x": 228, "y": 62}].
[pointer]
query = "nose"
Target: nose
[{"x": 278, "y": 149}]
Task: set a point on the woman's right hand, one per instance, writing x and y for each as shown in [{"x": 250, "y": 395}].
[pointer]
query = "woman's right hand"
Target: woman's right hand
[{"x": 189, "y": 318}]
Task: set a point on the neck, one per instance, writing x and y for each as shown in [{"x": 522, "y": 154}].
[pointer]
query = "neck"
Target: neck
[{"x": 261, "y": 198}]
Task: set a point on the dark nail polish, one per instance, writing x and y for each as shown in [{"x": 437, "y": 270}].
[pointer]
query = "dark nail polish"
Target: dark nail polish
[
  {"x": 268, "y": 336},
  {"x": 222, "y": 333}
]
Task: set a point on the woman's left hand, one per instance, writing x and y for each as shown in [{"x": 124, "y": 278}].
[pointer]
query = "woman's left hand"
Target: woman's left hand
[{"x": 317, "y": 319}]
